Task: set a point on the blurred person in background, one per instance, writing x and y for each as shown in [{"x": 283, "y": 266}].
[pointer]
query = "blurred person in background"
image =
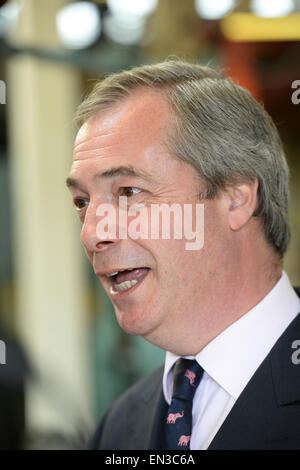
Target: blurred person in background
[
  {"x": 226, "y": 314},
  {"x": 14, "y": 370}
]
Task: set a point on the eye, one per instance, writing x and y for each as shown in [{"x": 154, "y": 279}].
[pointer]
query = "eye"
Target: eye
[
  {"x": 129, "y": 191},
  {"x": 80, "y": 203}
]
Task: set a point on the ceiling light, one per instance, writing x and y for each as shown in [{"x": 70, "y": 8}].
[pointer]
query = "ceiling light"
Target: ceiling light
[{"x": 79, "y": 25}]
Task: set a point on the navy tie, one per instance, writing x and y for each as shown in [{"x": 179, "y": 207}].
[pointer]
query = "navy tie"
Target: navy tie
[{"x": 178, "y": 426}]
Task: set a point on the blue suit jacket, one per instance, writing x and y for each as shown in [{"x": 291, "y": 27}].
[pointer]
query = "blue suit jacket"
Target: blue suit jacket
[{"x": 265, "y": 416}]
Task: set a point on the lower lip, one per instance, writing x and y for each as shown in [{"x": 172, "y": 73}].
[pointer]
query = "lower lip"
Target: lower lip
[{"x": 121, "y": 293}]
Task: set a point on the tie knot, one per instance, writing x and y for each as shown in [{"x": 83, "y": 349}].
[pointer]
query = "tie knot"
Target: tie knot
[{"x": 187, "y": 376}]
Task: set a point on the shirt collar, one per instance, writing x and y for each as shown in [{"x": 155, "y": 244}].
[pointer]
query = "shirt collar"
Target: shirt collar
[{"x": 234, "y": 355}]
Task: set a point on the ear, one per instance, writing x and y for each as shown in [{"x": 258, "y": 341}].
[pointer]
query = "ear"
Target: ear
[{"x": 243, "y": 202}]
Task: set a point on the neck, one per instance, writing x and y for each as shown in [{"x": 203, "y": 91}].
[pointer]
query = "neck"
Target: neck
[
  {"x": 232, "y": 295},
  {"x": 250, "y": 283}
]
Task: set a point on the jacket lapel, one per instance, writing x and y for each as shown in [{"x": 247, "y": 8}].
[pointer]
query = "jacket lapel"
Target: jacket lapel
[{"x": 146, "y": 432}]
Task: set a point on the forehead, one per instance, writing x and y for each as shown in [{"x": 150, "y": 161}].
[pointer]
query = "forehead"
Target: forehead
[
  {"x": 132, "y": 133},
  {"x": 140, "y": 120}
]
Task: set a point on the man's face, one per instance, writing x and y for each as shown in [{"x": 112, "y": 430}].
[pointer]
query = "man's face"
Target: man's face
[{"x": 121, "y": 152}]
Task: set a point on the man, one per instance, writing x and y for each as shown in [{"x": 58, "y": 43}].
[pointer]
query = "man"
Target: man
[{"x": 179, "y": 133}]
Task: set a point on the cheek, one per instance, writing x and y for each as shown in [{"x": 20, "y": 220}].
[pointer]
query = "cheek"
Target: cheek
[
  {"x": 89, "y": 255},
  {"x": 176, "y": 265}
]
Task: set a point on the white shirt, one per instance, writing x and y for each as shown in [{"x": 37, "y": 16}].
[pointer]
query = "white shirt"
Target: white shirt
[{"x": 230, "y": 360}]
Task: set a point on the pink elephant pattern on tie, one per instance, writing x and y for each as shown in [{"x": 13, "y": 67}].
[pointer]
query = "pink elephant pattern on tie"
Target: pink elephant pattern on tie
[
  {"x": 172, "y": 417},
  {"x": 184, "y": 440},
  {"x": 191, "y": 376}
]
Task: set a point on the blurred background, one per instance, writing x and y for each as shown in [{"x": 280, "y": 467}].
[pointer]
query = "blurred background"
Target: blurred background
[{"x": 63, "y": 358}]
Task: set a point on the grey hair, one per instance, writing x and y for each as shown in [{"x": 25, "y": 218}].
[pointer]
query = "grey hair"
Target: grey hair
[{"x": 220, "y": 129}]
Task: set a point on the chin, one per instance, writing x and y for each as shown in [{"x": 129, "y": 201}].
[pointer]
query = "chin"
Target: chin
[{"x": 135, "y": 322}]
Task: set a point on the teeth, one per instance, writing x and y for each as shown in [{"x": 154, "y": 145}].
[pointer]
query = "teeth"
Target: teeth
[
  {"x": 125, "y": 285},
  {"x": 112, "y": 274},
  {"x": 116, "y": 272}
]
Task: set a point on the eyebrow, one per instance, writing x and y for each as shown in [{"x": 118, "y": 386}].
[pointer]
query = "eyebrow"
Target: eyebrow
[{"x": 123, "y": 170}]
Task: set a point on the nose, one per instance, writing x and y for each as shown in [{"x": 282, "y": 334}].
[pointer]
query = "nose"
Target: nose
[{"x": 98, "y": 232}]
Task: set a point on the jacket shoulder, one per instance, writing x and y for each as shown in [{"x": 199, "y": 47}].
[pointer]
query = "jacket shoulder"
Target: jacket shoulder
[{"x": 112, "y": 425}]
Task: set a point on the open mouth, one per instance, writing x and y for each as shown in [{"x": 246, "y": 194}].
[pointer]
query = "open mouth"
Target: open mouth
[{"x": 126, "y": 279}]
